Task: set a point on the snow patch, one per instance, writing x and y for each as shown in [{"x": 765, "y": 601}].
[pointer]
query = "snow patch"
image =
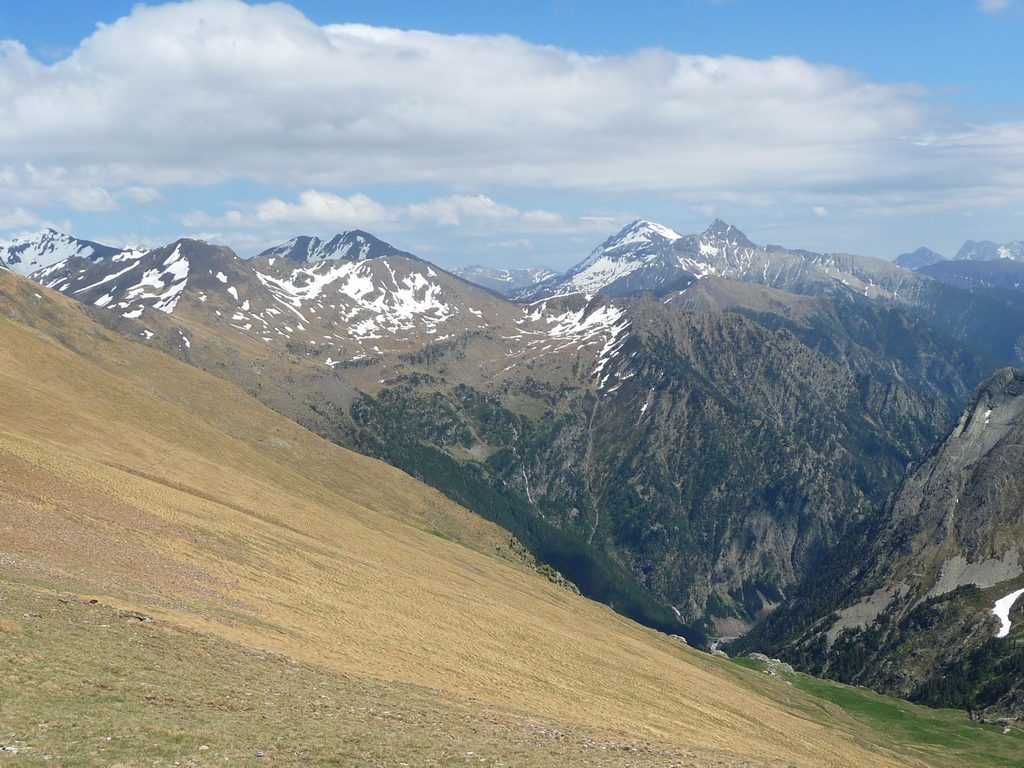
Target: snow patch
[
  {"x": 373, "y": 304},
  {"x": 1002, "y": 611}
]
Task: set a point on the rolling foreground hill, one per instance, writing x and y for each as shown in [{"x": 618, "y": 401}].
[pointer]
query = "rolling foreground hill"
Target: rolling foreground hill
[{"x": 186, "y": 575}]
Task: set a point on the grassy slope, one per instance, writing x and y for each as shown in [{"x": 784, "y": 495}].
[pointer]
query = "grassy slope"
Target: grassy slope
[
  {"x": 934, "y": 735},
  {"x": 86, "y": 685},
  {"x": 152, "y": 486}
]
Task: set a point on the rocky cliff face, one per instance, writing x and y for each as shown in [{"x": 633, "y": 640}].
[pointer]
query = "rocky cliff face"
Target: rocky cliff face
[{"x": 964, "y": 502}]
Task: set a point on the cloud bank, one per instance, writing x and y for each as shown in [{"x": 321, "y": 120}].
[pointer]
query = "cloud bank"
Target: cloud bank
[
  {"x": 212, "y": 90},
  {"x": 215, "y": 91}
]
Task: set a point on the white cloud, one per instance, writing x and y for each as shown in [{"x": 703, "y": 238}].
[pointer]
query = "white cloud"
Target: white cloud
[
  {"x": 326, "y": 209},
  {"x": 227, "y": 219},
  {"x": 323, "y": 208},
  {"x": 994, "y": 6},
  {"x": 140, "y": 195},
  {"x": 820, "y": 211},
  {"x": 216, "y": 90},
  {"x": 457, "y": 210},
  {"x": 19, "y": 217},
  {"x": 89, "y": 199}
]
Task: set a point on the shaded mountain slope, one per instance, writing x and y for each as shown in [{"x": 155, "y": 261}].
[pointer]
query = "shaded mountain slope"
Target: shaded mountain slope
[
  {"x": 1000, "y": 273},
  {"x": 912, "y": 601},
  {"x": 884, "y": 344},
  {"x": 705, "y": 455}
]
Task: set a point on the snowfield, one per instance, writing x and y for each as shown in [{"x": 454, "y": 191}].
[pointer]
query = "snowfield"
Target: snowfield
[{"x": 1002, "y": 611}]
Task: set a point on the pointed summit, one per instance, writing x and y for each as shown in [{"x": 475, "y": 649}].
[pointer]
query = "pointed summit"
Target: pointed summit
[
  {"x": 353, "y": 245},
  {"x": 720, "y": 230},
  {"x": 640, "y": 233},
  {"x": 639, "y": 257}
]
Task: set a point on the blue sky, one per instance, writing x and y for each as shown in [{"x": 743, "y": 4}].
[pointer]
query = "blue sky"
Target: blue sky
[{"x": 863, "y": 126}]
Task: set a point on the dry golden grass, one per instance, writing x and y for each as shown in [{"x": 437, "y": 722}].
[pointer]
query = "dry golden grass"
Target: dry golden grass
[
  {"x": 88, "y": 685},
  {"x": 131, "y": 477}
]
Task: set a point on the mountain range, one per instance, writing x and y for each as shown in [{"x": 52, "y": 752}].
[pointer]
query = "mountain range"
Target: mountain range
[
  {"x": 504, "y": 281},
  {"x": 689, "y": 428},
  {"x": 329, "y": 608},
  {"x": 976, "y": 265}
]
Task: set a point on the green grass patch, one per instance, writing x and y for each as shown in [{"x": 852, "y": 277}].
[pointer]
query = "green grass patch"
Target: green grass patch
[
  {"x": 524, "y": 405},
  {"x": 940, "y": 737}
]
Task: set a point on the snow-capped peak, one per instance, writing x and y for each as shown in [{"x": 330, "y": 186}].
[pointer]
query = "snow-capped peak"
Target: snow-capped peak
[
  {"x": 132, "y": 281},
  {"x": 986, "y": 250},
  {"x": 28, "y": 254},
  {"x": 638, "y": 239},
  {"x": 353, "y": 245},
  {"x": 727, "y": 233},
  {"x": 638, "y": 257},
  {"x": 639, "y": 232}
]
